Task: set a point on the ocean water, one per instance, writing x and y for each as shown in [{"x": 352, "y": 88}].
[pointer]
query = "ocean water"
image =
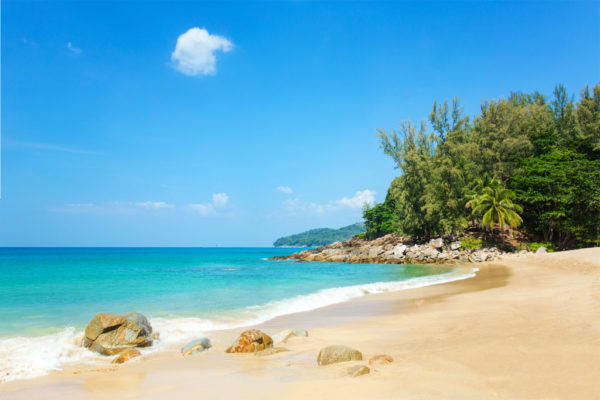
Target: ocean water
[{"x": 48, "y": 295}]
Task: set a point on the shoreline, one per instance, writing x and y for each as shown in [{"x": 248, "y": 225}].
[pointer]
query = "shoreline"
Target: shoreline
[{"x": 527, "y": 314}]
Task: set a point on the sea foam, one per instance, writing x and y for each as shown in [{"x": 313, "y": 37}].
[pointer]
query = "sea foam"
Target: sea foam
[{"x": 30, "y": 357}]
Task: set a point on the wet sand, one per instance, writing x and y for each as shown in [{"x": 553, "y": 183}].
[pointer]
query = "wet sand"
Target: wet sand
[{"x": 526, "y": 327}]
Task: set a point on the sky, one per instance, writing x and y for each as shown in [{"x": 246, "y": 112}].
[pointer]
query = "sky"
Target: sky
[{"x": 234, "y": 123}]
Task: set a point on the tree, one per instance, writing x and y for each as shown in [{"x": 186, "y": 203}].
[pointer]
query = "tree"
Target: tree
[{"x": 493, "y": 204}]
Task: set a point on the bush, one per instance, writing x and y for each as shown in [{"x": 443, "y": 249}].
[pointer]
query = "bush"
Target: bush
[
  {"x": 470, "y": 243},
  {"x": 360, "y": 235},
  {"x": 533, "y": 246}
]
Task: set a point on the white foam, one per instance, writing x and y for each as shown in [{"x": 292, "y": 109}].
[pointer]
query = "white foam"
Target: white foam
[{"x": 29, "y": 357}]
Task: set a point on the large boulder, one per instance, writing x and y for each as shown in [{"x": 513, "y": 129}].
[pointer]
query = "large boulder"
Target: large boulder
[
  {"x": 541, "y": 250},
  {"x": 251, "y": 341},
  {"x": 334, "y": 354},
  {"x": 437, "y": 243},
  {"x": 109, "y": 334}
]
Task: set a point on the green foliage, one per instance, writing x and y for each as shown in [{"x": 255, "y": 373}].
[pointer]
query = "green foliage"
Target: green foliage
[
  {"x": 533, "y": 246},
  {"x": 470, "y": 243},
  {"x": 541, "y": 153},
  {"x": 320, "y": 237},
  {"x": 492, "y": 204}
]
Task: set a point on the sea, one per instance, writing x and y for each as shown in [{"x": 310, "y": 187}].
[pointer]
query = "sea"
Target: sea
[{"x": 48, "y": 295}]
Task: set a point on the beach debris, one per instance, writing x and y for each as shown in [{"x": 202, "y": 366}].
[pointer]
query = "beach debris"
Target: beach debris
[
  {"x": 358, "y": 370},
  {"x": 110, "y": 334},
  {"x": 338, "y": 353},
  {"x": 284, "y": 335},
  {"x": 127, "y": 355},
  {"x": 270, "y": 351},
  {"x": 196, "y": 346},
  {"x": 250, "y": 341},
  {"x": 381, "y": 359}
]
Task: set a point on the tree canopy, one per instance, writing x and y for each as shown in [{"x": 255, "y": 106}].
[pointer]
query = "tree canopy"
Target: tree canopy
[{"x": 543, "y": 153}]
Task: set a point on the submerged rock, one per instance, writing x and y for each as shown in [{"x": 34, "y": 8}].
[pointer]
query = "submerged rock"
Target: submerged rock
[
  {"x": 282, "y": 336},
  {"x": 334, "y": 354},
  {"x": 381, "y": 359},
  {"x": 358, "y": 370},
  {"x": 109, "y": 334},
  {"x": 196, "y": 346},
  {"x": 251, "y": 341},
  {"x": 270, "y": 351},
  {"x": 127, "y": 355}
]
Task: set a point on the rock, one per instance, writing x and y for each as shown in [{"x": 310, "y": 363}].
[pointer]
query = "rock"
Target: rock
[
  {"x": 541, "y": 250},
  {"x": 270, "y": 351},
  {"x": 437, "y": 243},
  {"x": 109, "y": 334},
  {"x": 251, "y": 341},
  {"x": 196, "y": 346},
  {"x": 430, "y": 253},
  {"x": 288, "y": 333},
  {"x": 381, "y": 359},
  {"x": 399, "y": 250},
  {"x": 358, "y": 370},
  {"x": 334, "y": 354},
  {"x": 375, "y": 251},
  {"x": 455, "y": 245},
  {"x": 126, "y": 355}
]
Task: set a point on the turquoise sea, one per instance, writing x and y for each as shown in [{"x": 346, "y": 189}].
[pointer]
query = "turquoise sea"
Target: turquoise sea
[{"x": 48, "y": 295}]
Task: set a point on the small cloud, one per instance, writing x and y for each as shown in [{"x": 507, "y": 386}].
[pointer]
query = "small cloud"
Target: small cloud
[
  {"x": 285, "y": 189},
  {"x": 204, "y": 209},
  {"x": 74, "y": 50},
  {"x": 154, "y": 205},
  {"x": 295, "y": 206},
  {"x": 195, "y": 50},
  {"x": 359, "y": 199},
  {"x": 220, "y": 199}
]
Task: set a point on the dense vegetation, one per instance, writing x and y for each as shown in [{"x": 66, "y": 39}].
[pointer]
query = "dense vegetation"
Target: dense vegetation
[
  {"x": 525, "y": 160},
  {"x": 320, "y": 237}
]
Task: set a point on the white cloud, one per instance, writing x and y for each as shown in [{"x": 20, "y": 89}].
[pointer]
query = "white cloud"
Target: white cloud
[
  {"x": 204, "y": 209},
  {"x": 195, "y": 50},
  {"x": 74, "y": 50},
  {"x": 285, "y": 189},
  {"x": 220, "y": 199},
  {"x": 154, "y": 205},
  {"x": 295, "y": 206},
  {"x": 358, "y": 200}
]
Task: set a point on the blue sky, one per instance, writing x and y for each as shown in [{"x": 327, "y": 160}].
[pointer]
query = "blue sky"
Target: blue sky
[{"x": 123, "y": 125}]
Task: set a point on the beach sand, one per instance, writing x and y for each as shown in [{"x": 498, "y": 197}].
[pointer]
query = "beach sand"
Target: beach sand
[{"x": 527, "y": 327}]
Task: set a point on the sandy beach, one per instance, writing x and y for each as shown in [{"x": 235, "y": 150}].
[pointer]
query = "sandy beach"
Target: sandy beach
[{"x": 525, "y": 327}]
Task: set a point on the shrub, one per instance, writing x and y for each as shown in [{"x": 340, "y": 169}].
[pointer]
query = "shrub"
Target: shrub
[
  {"x": 470, "y": 243},
  {"x": 533, "y": 246}
]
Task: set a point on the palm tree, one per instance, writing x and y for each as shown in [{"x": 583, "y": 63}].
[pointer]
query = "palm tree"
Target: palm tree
[{"x": 494, "y": 202}]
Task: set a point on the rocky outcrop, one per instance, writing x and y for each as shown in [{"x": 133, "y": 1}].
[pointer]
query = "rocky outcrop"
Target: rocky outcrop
[
  {"x": 110, "y": 334},
  {"x": 196, "y": 346},
  {"x": 251, "y": 341},
  {"x": 335, "y": 354},
  {"x": 127, "y": 355},
  {"x": 392, "y": 249},
  {"x": 358, "y": 370}
]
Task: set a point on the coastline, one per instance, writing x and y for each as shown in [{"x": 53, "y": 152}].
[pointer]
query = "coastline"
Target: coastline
[{"x": 524, "y": 327}]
